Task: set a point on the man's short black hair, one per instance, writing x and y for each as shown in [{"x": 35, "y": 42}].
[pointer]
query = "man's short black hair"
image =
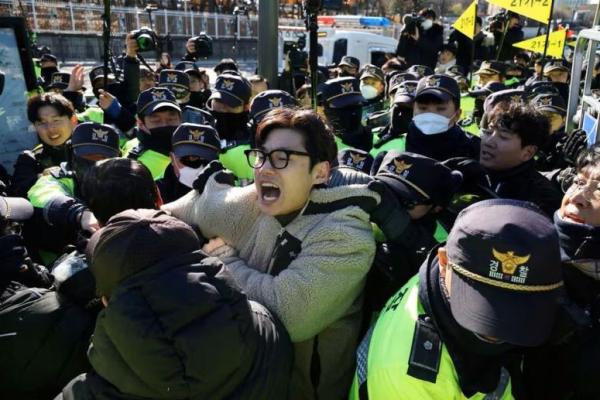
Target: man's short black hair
[
  {"x": 116, "y": 185},
  {"x": 523, "y": 120},
  {"x": 427, "y": 13},
  {"x": 318, "y": 138},
  {"x": 62, "y": 106},
  {"x": 428, "y": 98}
]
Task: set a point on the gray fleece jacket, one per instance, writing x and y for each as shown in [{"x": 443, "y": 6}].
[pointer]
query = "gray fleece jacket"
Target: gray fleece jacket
[{"x": 310, "y": 274}]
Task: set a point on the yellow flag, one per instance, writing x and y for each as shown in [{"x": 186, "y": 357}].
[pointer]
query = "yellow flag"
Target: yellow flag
[
  {"x": 556, "y": 44},
  {"x": 534, "y": 9},
  {"x": 466, "y": 22}
]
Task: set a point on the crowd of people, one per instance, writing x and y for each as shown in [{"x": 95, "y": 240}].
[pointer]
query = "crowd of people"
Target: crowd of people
[{"x": 417, "y": 236}]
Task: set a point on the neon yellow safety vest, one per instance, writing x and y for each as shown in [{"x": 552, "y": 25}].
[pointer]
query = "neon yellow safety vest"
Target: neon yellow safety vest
[
  {"x": 156, "y": 162},
  {"x": 48, "y": 187},
  {"x": 91, "y": 114},
  {"x": 235, "y": 160},
  {"x": 384, "y": 355}
]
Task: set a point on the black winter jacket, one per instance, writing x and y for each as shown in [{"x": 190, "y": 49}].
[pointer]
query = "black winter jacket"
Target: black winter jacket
[
  {"x": 182, "y": 329},
  {"x": 30, "y": 164},
  {"x": 44, "y": 343}
]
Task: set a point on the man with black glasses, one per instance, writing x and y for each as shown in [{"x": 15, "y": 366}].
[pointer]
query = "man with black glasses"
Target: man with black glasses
[{"x": 297, "y": 247}]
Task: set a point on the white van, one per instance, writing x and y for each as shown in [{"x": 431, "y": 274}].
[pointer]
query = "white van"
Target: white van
[{"x": 368, "y": 47}]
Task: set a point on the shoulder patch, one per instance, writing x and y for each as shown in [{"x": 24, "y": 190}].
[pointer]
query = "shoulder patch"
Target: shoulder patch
[{"x": 426, "y": 351}]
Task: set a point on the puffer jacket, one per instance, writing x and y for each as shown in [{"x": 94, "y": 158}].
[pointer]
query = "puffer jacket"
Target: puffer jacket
[
  {"x": 181, "y": 329},
  {"x": 310, "y": 273}
]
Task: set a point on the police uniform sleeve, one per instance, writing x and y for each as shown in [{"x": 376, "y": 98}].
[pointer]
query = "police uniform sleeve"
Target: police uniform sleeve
[
  {"x": 25, "y": 174},
  {"x": 55, "y": 197}
]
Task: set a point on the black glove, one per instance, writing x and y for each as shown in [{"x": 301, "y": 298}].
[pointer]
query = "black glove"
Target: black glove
[
  {"x": 565, "y": 178},
  {"x": 389, "y": 215},
  {"x": 17, "y": 266},
  {"x": 470, "y": 169},
  {"x": 574, "y": 144},
  {"x": 214, "y": 167}
]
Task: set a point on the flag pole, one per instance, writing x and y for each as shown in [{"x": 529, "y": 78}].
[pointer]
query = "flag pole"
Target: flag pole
[
  {"x": 548, "y": 28},
  {"x": 473, "y": 47}
]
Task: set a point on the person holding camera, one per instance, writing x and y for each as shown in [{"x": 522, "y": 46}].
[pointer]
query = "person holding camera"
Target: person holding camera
[
  {"x": 514, "y": 33},
  {"x": 198, "y": 47},
  {"x": 421, "y": 40}
]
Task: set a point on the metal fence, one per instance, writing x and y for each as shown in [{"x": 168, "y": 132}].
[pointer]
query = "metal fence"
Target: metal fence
[
  {"x": 85, "y": 17},
  {"x": 58, "y": 16}
]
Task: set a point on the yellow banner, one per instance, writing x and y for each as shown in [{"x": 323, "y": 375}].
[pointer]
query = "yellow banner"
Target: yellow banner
[
  {"x": 465, "y": 24},
  {"x": 534, "y": 9},
  {"x": 556, "y": 44}
]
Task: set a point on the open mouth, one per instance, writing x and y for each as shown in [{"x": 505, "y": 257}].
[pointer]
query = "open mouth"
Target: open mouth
[
  {"x": 269, "y": 192},
  {"x": 574, "y": 218}
]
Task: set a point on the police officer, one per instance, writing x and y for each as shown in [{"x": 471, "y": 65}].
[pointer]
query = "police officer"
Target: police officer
[
  {"x": 490, "y": 71},
  {"x": 343, "y": 103},
  {"x": 424, "y": 187},
  {"x": 194, "y": 146},
  {"x": 57, "y": 194},
  {"x": 372, "y": 88},
  {"x": 558, "y": 72},
  {"x": 48, "y": 66},
  {"x": 449, "y": 331},
  {"x": 53, "y": 118},
  {"x": 229, "y": 103},
  {"x": 480, "y": 94},
  {"x": 433, "y": 131},
  {"x": 550, "y": 155},
  {"x": 393, "y": 135},
  {"x": 177, "y": 82},
  {"x": 348, "y": 66},
  {"x": 158, "y": 117}
]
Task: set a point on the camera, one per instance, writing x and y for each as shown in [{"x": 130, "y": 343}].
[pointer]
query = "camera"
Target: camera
[
  {"x": 413, "y": 23},
  {"x": 204, "y": 45},
  {"x": 146, "y": 39}
]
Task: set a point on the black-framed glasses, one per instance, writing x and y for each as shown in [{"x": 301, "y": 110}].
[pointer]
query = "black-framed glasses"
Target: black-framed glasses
[{"x": 278, "y": 158}]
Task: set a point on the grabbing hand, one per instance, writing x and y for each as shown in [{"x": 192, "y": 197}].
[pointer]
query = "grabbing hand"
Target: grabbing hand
[
  {"x": 88, "y": 222},
  {"x": 105, "y": 99}
]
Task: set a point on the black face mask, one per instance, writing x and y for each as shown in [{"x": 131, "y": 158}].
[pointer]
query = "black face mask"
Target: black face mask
[
  {"x": 47, "y": 74},
  {"x": 230, "y": 126},
  {"x": 345, "y": 121},
  {"x": 400, "y": 119},
  {"x": 198, "y": 99},
  {"x": 159, "y": 139},
  {"x": 577, "y": 241}
]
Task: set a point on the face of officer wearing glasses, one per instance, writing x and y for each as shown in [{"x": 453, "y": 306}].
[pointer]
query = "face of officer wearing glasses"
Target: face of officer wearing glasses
[
  {"x": 293, "y": 154},
  {"x": 581, "y": 203}
]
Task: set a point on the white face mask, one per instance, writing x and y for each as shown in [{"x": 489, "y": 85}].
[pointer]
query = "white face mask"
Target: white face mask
[
  {"x": 188, "y": 175},
  {"x": 369, "y": 92},
  {"x": 427, "y": 24},
  {"x": 431, "y": 123}
]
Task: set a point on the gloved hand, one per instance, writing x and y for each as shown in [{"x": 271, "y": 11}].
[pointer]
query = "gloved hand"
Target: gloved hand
[
  {"x": 15, "y": 264},
  {"x": 389, "y": 215},
  {"x": 565, "y": 178},
  {"x": 222, "y": 176},
  {"x": 471, "y": 170},
  {"x": 574, "y": 144},
  {"x": 12, "y": 257}
]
